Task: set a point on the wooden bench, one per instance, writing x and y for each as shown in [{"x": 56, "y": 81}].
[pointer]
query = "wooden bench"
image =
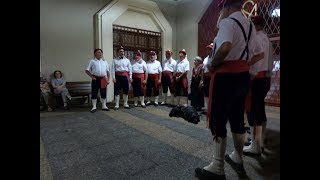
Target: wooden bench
[{"x": 80, "y": 88}]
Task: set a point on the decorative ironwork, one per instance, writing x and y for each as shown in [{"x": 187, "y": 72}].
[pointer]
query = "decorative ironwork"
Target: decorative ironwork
[
  {"x": 270, "y": 11},
  {"x": 133, "y": 39}
]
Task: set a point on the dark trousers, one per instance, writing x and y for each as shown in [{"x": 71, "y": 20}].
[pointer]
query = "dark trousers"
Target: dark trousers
[
  {"x": 179, "y": 89},
  {"x": 196, "y": 95},
  {"x": 229, "y": 93},
  {"x": 206, "y": 84},
  {"x": 121, "y": 83},
  {"x": 151, "y": 84},
  {"x": 259, "y": 89},
  {"x": 166, "y": 82},
  {"x": 95, "y": 86},
  {"x": 136, "y": 87}
]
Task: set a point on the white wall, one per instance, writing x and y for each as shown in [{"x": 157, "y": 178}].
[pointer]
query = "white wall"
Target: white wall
[
  {"x": 105, "y": 18},
  {"x": 188, "y": 16},
  {"x": 137, "y": 20},
  {"x": 169, "y": 11},
  {"x": 67, "y": 36},
  {"x": 67, "y": 32}
]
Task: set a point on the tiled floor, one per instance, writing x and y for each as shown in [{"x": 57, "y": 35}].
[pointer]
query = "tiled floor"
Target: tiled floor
[{"x": 139, "y": 143}]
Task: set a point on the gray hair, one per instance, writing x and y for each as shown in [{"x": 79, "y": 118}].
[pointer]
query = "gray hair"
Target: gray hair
[{"x": 198, "y": 58}]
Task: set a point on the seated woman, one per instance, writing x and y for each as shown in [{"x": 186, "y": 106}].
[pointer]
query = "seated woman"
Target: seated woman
[
  {"x": 59, "y": 87},
  {"x": 46, "y": 92}
]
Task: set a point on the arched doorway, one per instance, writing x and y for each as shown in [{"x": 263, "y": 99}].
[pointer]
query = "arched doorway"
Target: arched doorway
[{"x": 104, "y": 21}]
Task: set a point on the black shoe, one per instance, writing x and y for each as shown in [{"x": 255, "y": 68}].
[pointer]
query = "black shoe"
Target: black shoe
[
  {"x": 144, "y": 106},
  {"x": 116, "y": 108},
  {"x": 251, "y": 154},
  {"x": 203, "y": 174},
  {"x": 247, "y": 143},
  {"x": 105, "y": 109},
  {"x": 93, "y": 110},
  {"x": 66, "y": 107},
  {"x": 237, "y": 167},
  {"x": 156, "y": 104},
  {"x": 127, "y": 107}
]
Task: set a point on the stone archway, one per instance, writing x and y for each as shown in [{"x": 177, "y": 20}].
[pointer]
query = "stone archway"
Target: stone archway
[{"x": 106, "y": 16}]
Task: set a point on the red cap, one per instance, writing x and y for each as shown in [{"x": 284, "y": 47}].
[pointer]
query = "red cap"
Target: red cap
[
  {"x": 257, "y": 20},
  {"x": 120, "y": 47},
  {"x": 183, "y": 51},
  {"x": 168, "y": 51},
  {"x": 152, "y": 53},
  {"x": 210, "y": 46}
]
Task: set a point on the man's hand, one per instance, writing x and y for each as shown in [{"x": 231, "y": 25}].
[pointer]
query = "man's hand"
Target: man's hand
[{"x": 201, "y": 84}]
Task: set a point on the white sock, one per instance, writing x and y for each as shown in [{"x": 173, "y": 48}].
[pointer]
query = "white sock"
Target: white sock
[
  {"x": 117, "y": 98},
  {"x": 94, "y": 103},
  {"x": 104, "y": 106},
  {"x": 142, "y": 100},
  {"x": 125, "y": 100}
]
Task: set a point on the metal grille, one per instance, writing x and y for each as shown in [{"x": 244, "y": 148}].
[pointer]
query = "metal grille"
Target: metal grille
[
  {"x": 133, "y": 39},
  {"x": 270, "y": 11}
]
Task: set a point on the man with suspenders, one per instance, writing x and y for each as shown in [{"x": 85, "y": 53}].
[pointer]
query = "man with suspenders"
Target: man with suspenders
[{"x": 229, "y": 85}]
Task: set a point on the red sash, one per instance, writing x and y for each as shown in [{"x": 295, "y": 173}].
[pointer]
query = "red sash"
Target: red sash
[
  {"x": 156, "y": 79},
  {"x": 123, "y": 73},
  {"x": 261, "y": 74},
  {"x": 184, "y": 80},
  {"x": 103, "y": 81},
  {"x": 167, "y": 74},
  {"x": 235, "y": 66},
  {"x": 139, "y": 76}
]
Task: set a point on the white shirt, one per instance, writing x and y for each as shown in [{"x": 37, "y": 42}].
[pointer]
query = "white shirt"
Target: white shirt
[
  {"x": 123, "y": 64},
  {"x": 154, "y": 67},
  {"x": 263, "y": 64},
  {"x": 205, "y": 62},
  {"x": 208, "y": 60},
  {"x": 169, "y": 65},
  {"x": 98, "y": 67},
  {"x": 229, "y": 31},
  {"x": 138, "y": 66},
  {"x": 183, "y": 66}
]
